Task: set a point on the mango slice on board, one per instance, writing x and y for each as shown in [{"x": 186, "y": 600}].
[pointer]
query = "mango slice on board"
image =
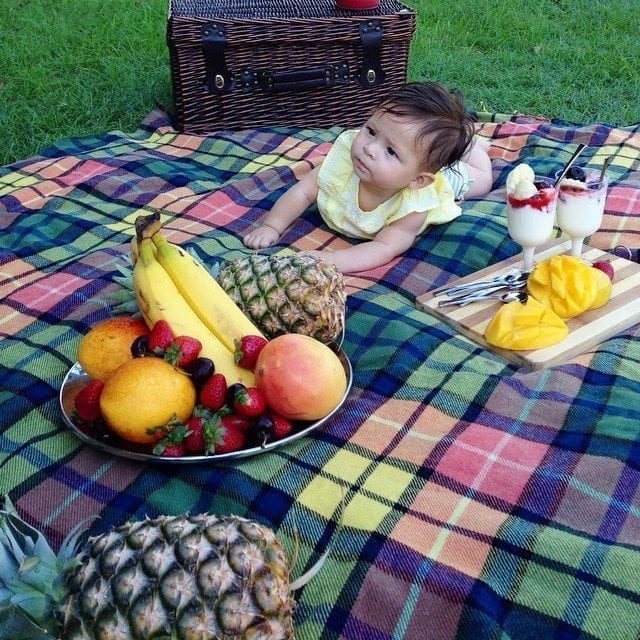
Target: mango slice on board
[
  {"x": 525, "y": 326},
  {"x": 565, "y": 284},
  {"x": 604, "y": 289}
]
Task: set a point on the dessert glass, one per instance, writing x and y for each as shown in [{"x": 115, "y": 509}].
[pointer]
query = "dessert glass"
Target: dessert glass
[
  {"x": 580, "y": 209},
  {"x": 530, "y": 220}
]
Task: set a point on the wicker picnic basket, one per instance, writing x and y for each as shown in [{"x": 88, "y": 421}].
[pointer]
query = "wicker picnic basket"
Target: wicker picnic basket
[{"x": 238, "y": 64}]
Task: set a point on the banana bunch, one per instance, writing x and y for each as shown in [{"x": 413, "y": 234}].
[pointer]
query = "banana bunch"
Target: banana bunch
[{"x": 171, "y": 285}]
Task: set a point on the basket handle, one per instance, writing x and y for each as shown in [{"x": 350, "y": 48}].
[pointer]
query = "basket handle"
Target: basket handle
[{"x": 326, "y": 75}]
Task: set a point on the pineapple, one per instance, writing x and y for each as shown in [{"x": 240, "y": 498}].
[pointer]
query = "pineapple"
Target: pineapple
[
  {"x": 173, "y": 577},
  {"x": 288, "y": 294}
]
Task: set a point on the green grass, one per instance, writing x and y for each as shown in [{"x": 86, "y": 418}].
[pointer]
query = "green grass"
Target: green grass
[{"x": 78, "y": 67}]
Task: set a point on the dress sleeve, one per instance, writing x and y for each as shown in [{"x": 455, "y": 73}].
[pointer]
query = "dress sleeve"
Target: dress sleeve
[{"x": 437, "y": 200}]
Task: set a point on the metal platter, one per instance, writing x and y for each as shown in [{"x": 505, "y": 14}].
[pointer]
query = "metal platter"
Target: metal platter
[{"x": 108, "y": 442}]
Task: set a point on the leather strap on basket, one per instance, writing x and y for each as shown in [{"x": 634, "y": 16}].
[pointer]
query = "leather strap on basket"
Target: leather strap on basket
[
  {"x": 371, "y": 74},
  {"x": 218, "y": 78}
]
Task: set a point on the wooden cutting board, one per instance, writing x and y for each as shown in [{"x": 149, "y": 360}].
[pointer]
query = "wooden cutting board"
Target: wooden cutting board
[{"x": 585, "y": 331}]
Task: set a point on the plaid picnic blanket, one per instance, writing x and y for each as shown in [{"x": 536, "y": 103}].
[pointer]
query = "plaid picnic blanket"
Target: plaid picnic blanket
[{"x": 478, "y": 500}]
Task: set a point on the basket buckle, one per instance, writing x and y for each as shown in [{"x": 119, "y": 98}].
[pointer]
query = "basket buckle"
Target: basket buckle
[
  {"x": 371, "y": 74},
  {"x": 218, "y": 78}
]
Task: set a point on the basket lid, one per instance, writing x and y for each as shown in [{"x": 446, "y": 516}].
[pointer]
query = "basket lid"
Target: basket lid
[{"x": 276, "y": 9}]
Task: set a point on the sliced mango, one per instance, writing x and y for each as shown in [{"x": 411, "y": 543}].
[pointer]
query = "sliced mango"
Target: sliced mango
[
  {"x": 565, "y": 284},
  {"x": 525, "y": 326},
  {"x": 604, "y": 289}
]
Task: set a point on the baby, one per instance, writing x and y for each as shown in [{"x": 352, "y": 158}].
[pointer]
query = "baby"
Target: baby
[{"x": 387, "y": 182}]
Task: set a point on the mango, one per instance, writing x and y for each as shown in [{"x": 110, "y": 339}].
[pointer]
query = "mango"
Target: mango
[
  {"x": 565, "y": 284},
  {"x": 301, "y": 377},
  {"x": 604, "y": 290},
  {"x": 525, "y": 326}
]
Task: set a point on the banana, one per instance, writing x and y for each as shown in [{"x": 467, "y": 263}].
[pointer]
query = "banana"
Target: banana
[
  {"x": 159, "y": 299},
  {"x": 201, "y": 290}
]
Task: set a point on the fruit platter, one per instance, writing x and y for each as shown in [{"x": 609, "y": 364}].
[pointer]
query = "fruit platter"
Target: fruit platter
[
  {"x": 206, "y": 369},
  {"x": 106, "y": 441}
]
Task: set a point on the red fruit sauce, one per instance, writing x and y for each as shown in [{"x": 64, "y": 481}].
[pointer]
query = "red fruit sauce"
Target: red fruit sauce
[{"x": 540, "y": 201}]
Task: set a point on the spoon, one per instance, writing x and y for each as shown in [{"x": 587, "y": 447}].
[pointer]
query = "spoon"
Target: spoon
[
  {"x": 605, "y": 166},
  {"x": 485, "y": 291},
  {"x": 574, "y": 157},
  {"x": 463, "y": 301},
  {"x": 510, "y": 279}
]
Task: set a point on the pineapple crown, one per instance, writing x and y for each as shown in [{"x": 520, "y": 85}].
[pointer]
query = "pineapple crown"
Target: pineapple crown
[{"x": 31, "y": 576}]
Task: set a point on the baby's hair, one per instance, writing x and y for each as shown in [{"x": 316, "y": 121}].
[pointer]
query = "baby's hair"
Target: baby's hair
[{"x": 445, "y": 122}]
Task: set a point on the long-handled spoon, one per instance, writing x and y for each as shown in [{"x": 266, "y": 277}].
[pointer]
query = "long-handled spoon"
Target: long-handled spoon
[
  {"x": 574, "y": 157},
  {"x": 605, "y": 166}
]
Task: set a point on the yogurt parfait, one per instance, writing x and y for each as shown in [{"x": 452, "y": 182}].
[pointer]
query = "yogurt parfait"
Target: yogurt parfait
[
  {"x": 581, "y": 206},
  {"x": 531, "y": 207}
]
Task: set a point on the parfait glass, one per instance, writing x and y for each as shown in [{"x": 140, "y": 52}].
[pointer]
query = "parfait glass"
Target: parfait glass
[
  {"x": 580, "y": 209},
  {"x": 530, "y": 220}
]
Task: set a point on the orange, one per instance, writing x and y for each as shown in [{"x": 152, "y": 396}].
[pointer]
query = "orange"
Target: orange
[
  {"x": 108, "y": 344},
  {"x": 144, "y": 393}
]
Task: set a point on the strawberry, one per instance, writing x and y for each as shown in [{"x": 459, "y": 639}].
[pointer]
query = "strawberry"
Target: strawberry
[
  {"x": 204, "y": 430},
  {"x": 162, "y": 430},
  {"x": 282, "y": 426},
  {"x": 229, "y": 439},
  {"x": 250, "y": 402},
  {"x": 172, "y": 444},
  {"x": 87, "y": 402},
  {"x": 247, "y": 350},
  {"x": 234, "y": 421},
  {"x": 194, "y": 440},
  {"x": 182, "y": 351},
  {"x": 606, "y": 266},
  {"x": 160, "y": 337},
  {"x": 173, "y": 451},
  {"x": 213, "y": 394}
]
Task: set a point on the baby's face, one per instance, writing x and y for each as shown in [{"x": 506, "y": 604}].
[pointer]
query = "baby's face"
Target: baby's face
[{"x": 385, "y": 153}]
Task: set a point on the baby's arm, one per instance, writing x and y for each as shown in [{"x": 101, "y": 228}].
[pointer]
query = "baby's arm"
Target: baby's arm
[
  {"x": 289, "y": 206},
  {"x": 391, "y": 241},
  {"x": 479, "y": 167}
]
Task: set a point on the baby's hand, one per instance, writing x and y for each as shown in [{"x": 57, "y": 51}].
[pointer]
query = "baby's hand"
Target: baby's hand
[{"x": 261, "y": 237}]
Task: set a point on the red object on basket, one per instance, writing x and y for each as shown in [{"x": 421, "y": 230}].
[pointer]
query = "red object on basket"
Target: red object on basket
[{"x": 358, "y": 5}]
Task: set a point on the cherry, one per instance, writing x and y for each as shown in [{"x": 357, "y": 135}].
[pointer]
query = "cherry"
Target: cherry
[
  {"x": 577, "y": 173},
  {"x": 140, "y": 346},
  {"x": 200, "y": 370},
  {"x": 233, "y": 389},
  {"x": 260, "y": 431}
]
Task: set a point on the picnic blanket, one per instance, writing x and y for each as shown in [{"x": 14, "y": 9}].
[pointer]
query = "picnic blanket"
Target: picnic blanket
[{"x": 478, "y": 500}]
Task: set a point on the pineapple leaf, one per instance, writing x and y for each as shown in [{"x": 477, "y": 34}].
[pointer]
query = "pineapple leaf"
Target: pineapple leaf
[
  {"x": 14, "y": 625},
  {"x": 36, "y": 605},
  {"x": 22, "y": 544},
  {"x": 29, "y": 569},
  {"x": 214, "y": 269},
  {"x": 315, "y": 568},
  {"x": 70, "y": 545}
]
